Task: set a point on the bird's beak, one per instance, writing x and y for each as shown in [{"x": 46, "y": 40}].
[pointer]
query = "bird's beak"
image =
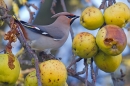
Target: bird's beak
[{"x": 73, "y": 18}]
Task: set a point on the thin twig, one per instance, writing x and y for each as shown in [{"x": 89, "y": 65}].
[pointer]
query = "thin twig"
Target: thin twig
[
  {"x": 72, "y": 73},
  {"x": 86, "y": 70},
  {"x": 114, "y": 80},
  {"x": 5, "y": 15},
  {"x": 102, "y": 4},
  {"x": 117, "y": 80},
  {"x": 73, "y": 62},
  {"x": 52, "y": 6},
  {"x": 122, "y": 75},
  {"x": 78, "y": 77},
  {"x": 81, "y": 72},
  {"x": 5, "y": 9},
  {"x": 92, "y": 73},
  {"x": 96, "y": 72},
  {"x": 110, "y": 2},
  {"x": 72, "y": 34},
  {"x": 63, "y": 5},
  {"x": 30, "y": 12},
  {"x": 32, "y": 5}
]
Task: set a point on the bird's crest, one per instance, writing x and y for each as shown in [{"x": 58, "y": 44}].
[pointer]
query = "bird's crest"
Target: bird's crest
[{"x": 62, "y": 14}]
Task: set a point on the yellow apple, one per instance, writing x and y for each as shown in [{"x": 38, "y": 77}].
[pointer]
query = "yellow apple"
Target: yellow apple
[
  {"x": 91, "y": 18},
  {"x": 53, "y": 73},
  {"x": 8, "y": 76},
  {"x": 106, "y": 62},
  {"x": 117, "y": 14},
  {"x": 31, "y": 79},
  {"x": 84, "y": 45}
]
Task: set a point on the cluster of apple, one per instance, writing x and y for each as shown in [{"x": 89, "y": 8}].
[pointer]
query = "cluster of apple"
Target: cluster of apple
[
  {"x": 52, "y": 73},
  {"x": 110, "y": 41}
]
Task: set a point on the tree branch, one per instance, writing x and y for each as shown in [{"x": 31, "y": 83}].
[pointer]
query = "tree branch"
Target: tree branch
[
  {"x": 72, "y": 73},
  {"x": 73, "y": 62},
  {"x": 92, "y": 73},
  {"x": 30, "y": 12},
  {"x": 32, "y": 54},
  {"x": 52, "y": 6},
  {"x": 86, "y": 67},
  {"x": 63, "y": 5},
  {"x": 20, "y": 36},
  {"x": 117, "y": 80}
]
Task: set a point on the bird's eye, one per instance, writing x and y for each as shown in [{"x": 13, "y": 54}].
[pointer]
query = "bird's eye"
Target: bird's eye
[{"x": 70, "y": 16}]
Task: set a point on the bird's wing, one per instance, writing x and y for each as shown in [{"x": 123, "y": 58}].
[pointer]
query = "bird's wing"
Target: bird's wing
[{"x": 48, "y": 31}]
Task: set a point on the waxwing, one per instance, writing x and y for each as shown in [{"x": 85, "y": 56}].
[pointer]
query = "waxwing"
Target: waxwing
[{"x": 48, "y": 37}]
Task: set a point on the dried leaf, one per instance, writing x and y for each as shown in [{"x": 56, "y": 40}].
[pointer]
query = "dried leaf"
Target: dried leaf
[
  {"x": 8, "y": 58},
  {"x": 11, "y": 60},
  {"x": 10, "y": 36}
]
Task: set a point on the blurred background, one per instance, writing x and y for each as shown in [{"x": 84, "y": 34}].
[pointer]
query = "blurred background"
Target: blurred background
[{"x": 43, "y": 16}]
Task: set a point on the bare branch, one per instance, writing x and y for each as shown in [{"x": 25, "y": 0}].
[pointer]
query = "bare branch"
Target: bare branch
[
  {"x": 81, "y": 72},
  {"x": 52, "y": 6},
  {"x": 117, "y": 80},
  {"x": 4, "y": 14},
  {"x": 30, "y": 12},
  {"x": 20, "y": 36},
  {"x": 72, "y": 73},
  {"x": 32, "y": 54},
  {"x": 92, "y": 73},
  {"x": 5, "y": 9},
  {"x": 122, "y": 75},
  {"x": 63, "y": 5},
  {"x": 73, "y": 62},
  {"x": 72, "y": 34},
  {"x": 86, "y": 67},
  {"x": 110, "y": 2},
  {"x": 33, "y": 5},
  {"x": 96, "y": 72},
  {"x": 102, "y": 4}
]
